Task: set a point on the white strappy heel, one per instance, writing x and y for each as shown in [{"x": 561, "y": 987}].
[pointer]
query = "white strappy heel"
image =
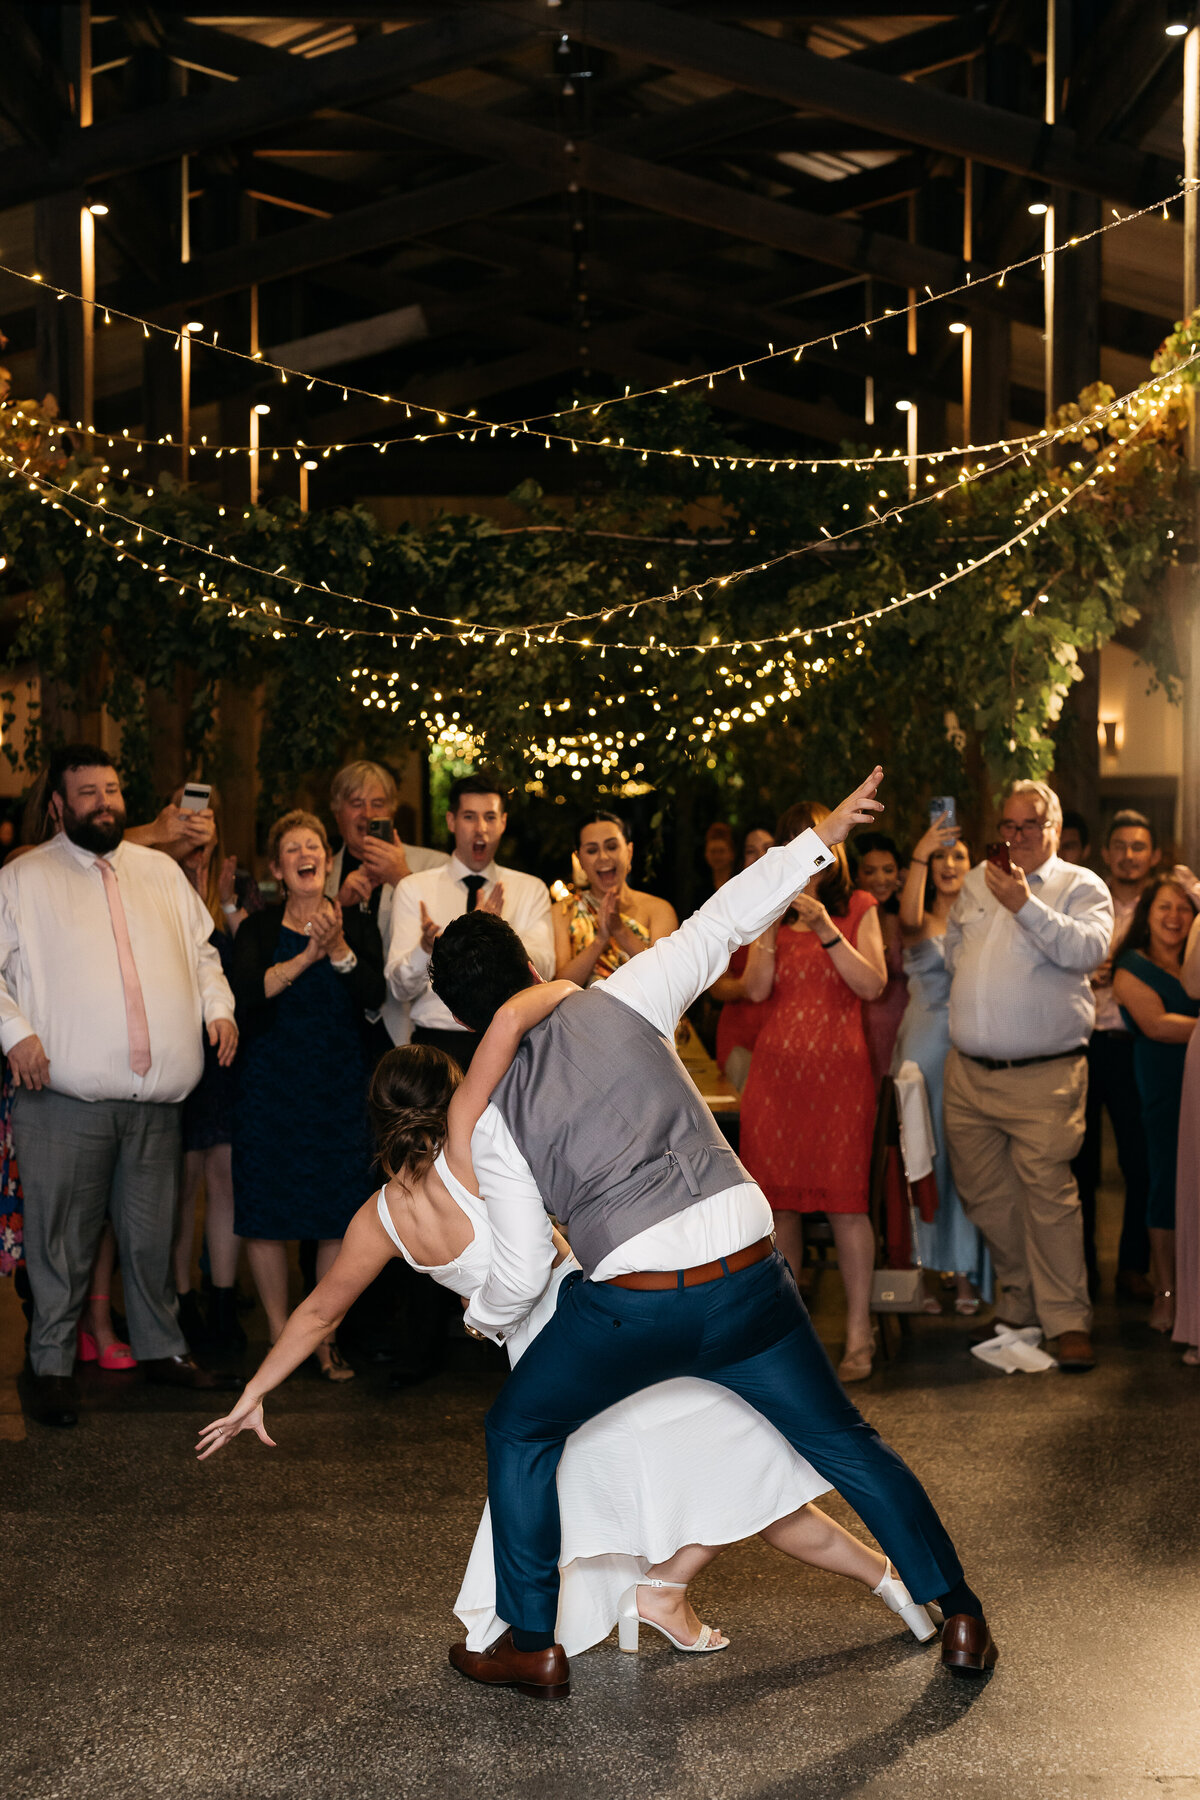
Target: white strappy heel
[
  {"x": 897, "y": 1599},
  {"x": 629, "y": 1619}
]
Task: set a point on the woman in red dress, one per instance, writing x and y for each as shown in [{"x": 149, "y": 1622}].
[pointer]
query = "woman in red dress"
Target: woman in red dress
[{"x": 808, "y": 1109}]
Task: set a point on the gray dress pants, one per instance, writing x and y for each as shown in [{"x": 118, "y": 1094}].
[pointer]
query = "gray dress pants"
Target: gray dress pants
[{"x": 80, "y": 1160}]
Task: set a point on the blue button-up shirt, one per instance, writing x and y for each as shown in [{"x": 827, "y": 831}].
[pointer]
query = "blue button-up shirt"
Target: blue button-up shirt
[{"x": 1020, "y": 980}]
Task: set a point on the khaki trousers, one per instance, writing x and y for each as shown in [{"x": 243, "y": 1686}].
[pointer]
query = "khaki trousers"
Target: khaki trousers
[{"x": 1012, "y": 1134}]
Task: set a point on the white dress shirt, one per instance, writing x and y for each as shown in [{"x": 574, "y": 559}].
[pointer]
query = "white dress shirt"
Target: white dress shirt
[
  {"x": 60, "y": 976},
  {"x": 393, "y": 1012},
  {"x": 1108, "y": 1013},
  {"x": 660, "y": 984},
  {"x": 443, "y": 891},
  {"x": 1020, "y": 980}
]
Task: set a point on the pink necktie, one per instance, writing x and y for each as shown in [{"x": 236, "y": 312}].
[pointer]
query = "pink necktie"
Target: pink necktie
[{"x": 135, "y": 1007}]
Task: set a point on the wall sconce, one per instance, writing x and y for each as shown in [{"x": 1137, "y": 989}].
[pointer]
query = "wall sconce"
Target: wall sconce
[{"x": 1111, "y": 733}]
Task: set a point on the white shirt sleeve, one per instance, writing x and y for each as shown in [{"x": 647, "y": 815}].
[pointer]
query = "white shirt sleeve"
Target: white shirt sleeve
[
  {"x": 1079, "y": 936},
  {"x": 536, "y": 928},
  {"x": 13, "y": 1024},
  {"x": 216, "y": 995},
  {"x": 522, "y": 1236},
  {"x": 407, "y": 967},
  {"x": 954, "y": 932},
  {"x": 662, "y": 982}
]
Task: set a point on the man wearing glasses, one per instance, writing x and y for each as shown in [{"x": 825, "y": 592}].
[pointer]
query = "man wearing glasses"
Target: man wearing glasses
[{"x": 1020, "y": 945}]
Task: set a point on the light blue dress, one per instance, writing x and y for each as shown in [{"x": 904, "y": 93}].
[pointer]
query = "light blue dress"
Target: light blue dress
[{"x": 951, "y": 1243}]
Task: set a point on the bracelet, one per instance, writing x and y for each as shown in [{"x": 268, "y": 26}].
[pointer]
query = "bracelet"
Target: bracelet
[
  {"x": 833, "y": 942},
  {"x": 286, "y": 979},
  {"x": 347, "y": 964}
]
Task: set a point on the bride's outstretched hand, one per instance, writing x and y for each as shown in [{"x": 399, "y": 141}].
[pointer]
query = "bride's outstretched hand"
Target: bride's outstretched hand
[
  {"x": 247, "y": 1415},
  {"x": 858, "y": 808}
]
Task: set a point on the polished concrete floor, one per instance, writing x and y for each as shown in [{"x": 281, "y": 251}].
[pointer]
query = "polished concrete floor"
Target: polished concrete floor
[{"x": 275, "y": 1623}]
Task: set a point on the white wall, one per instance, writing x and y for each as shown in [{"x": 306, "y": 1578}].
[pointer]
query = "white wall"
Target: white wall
[{"x": 1149, "y": 727}]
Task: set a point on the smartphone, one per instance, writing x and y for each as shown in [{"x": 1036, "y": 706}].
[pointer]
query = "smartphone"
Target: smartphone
[
  {"x": 998, "y": 853},
  {"x": 196, "y": 796},
  {"x": 380, "y": 828},
  {"x": 943, "y": 803}
]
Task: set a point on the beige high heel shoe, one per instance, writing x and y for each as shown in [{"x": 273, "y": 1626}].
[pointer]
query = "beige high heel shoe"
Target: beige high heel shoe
[
  {"x": 630, "y": 1620},
  {"x": 859, "y": 1366}
]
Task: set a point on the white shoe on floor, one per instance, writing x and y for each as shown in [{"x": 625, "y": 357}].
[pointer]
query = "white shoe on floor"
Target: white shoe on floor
[
  {"x": 629, "y": 1619},
  {"x": 897, "y": 1599}
]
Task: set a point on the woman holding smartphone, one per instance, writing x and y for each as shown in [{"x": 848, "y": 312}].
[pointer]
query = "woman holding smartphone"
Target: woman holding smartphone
[{"x": 937, "y": 869}]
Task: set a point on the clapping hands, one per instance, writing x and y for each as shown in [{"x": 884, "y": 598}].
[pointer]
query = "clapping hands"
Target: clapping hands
[{"x": 325, "y": 932}]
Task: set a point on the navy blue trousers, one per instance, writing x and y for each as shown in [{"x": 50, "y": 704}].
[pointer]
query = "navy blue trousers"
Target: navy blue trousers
[{"x": 749, "y": 1332}]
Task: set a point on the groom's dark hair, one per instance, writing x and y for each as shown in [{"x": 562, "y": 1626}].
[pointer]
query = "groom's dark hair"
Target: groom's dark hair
[{"x": 478, "y": 963}]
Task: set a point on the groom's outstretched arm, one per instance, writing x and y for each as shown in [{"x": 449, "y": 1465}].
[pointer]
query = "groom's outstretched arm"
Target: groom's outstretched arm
[{"x": 662, "y": 982}]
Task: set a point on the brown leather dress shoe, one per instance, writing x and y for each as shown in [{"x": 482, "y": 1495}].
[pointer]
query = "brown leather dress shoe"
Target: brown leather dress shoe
[
  {"x": 1075, "y": 1353},
  {"x": 967, "y": 1645},
  {"x": 542, "y": 1674},
  {"x": 185, "y": 1372}
]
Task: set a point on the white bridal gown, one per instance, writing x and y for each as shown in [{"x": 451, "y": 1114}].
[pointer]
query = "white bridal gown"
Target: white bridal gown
[{"x": 683, "y": 1462}]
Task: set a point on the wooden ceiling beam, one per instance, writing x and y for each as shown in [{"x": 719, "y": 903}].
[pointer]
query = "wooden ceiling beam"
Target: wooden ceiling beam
[
  {"x": 187, "y": 126},
  {"x": 843, "y": 243},
  {"x": 785, "y": 71}
]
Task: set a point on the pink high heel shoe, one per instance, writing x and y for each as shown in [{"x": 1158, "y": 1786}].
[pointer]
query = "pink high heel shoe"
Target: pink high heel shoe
[{"x": 113, "y": 1356}]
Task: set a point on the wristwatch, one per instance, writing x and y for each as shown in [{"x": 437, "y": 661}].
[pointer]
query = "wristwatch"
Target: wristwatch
[{"x": 471, "y": 1332}]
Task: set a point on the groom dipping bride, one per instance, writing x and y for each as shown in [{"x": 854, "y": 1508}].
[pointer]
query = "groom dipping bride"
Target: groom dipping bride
[{"x": 582, "y": 1108}]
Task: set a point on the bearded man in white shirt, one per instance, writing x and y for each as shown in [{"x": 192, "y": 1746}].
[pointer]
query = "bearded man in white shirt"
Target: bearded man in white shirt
[
  {"x": 1020, "y": 945},
  {"x": 597, "y": 1120},
  {"x": 107, "y": 979},
  {"x": 472, "y": 879}
]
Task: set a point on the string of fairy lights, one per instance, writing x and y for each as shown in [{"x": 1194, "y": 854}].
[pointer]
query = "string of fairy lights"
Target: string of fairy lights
[
  {"x": 404, "y": 622},
  {"x": 469, "y": 426}
]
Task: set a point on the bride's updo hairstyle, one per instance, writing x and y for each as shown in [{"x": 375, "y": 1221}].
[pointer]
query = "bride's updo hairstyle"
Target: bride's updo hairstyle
[{"x": 408, "y": 1099}]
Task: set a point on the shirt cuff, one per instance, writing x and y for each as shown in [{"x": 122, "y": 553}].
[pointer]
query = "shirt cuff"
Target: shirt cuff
[
  {"x": 480, "y": 1326},
  {"x": 16, "y": 1029},
  {"x": 220, "y": 1009},
  {"x": 1033, "y": 914},
  {"x": 810, "y": 847}
]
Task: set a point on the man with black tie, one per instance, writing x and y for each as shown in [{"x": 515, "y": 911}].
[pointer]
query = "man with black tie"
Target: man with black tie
[{"x": 477, "y": 821}]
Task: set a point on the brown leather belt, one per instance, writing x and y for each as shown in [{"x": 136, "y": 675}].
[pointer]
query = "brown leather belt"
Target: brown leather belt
[{"x": 655, "y": 1280}]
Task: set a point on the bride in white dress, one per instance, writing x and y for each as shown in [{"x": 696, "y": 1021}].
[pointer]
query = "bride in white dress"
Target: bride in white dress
[{"x": 649, "y": 1491}]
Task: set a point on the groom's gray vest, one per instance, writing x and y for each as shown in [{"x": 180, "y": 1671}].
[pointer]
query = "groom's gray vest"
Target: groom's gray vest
[{"x": 611, "y": 1124}]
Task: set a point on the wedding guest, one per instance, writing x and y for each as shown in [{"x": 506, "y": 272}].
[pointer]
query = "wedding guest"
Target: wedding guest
[
  {"x": 808, "y": 1109},
  {"x": 719, "y": 853},
  {"x": 106, "y": 976},
  {"x": 306, "y": 973},
  {"x": 1187, "y": 1167},
  {"x": 602, "y": 925},
  {"x": 1161, "y": 1018},
  {"x": 477, "y": 819},
  {"x": 878, "y": 873},
  {"x": 739, "y": 1019},
  {"x": 937, "y": 869},
  {"x": 1020, "y": 944},
  {"x": 1130, "y": 855},
  {"x": 208, "y": 1130},
  {"x": 368, "y": 868},
  {"x": 757, "y": 841},
  {"x": 1075, "y": 839}
]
